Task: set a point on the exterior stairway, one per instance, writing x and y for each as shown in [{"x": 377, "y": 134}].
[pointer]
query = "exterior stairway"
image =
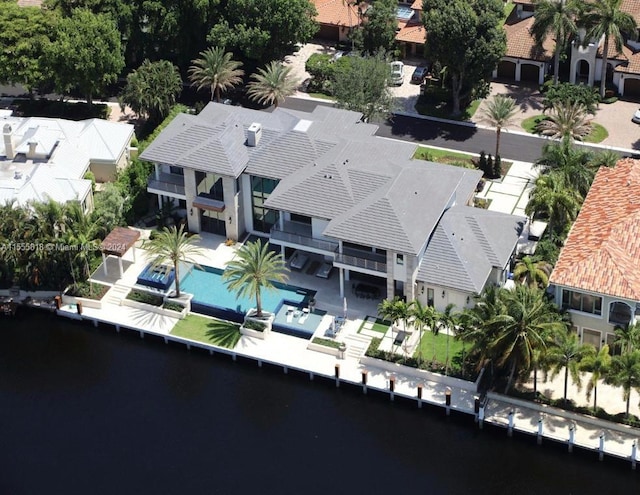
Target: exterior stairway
[
  {"x": 357, "y": 344},
  {"x": 116, "y": 294}
]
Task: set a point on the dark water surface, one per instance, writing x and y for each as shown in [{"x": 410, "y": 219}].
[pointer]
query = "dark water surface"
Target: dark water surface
[{"x": 89, "y": 411}]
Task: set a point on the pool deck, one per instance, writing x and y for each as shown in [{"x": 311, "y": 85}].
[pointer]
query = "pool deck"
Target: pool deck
[{"x": 291, "y": 353}]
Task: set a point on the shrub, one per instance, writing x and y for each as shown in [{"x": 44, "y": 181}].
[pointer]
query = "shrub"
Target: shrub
[
  {"x": 85, "y": 290},
  {"x": 258, "y": 326},
  {"x": 145, "y": 297},
  {"x": 488, "y": 171},
  {"x": 173, "y": 306},
  {"x": 482, "y": 161},
  {"x": 326, "y": 342},
  {"x": 497, "y": 167},
  {"x": 608, "y": 101}
]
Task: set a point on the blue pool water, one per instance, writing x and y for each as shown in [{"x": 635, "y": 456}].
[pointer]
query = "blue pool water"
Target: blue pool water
[
  {"x": 208, "y": 289},
  {"x": 404, "y": 12}
]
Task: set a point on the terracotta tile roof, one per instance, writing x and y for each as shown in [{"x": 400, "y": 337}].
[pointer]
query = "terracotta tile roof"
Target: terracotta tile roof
[
  {"x": 632, "y": 65},
  {"x": 417, "y": 5},
  {"x": 520, "y": 41},
  {"x": 613, "y": 53},
  {"x": 411, "y": 32},
  {"x": 336, "y": 13},
  {"x": 119, "y": 241},
  {"x": 631, "y": 7},
  {"x": 602, "y": 251}
]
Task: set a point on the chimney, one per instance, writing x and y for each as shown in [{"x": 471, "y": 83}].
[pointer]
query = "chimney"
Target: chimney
[
  {"x": 254, "y": 133},
  {"x": 31, "y": 154},
  {"x": 7, "y": 134}
]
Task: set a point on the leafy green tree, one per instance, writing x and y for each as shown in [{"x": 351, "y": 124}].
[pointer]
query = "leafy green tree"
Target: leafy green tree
[
  {"x": 85, "y": 52},
  {"x": 598, "y": 364},
  {"x": 625, "y": 373},
  {"x": 467, "y": 37},
  {"x": 555, "y": 18},
  {"x": 379, "y": 28},
  {"x": 362, "y": 87},
  {"x": 254, "y": 269},
  {"x": 421, "y": 316},
  {"x": 264, "y": 29},
  {"x": 24, "y": 34},
  {"x": 606, "y": 18},
  {"x": 174, "y": 246},
  {"x": 152, "y": 89},
  {"x": 551, "y": 198},
  {"x": 272, "y": 84},
  {"x": 108, "y": 211},
  {"x": 499, "y": 112},
  {"x": 567, "y": 94},
  {"x": 566, "y": 352},
  {"x": 215, "y": 70},
  {"x": 566, "y": 120},
  {"x": 532, "y": 273}
]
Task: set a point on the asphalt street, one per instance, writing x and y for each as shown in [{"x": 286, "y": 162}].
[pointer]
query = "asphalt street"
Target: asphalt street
[{"x": 445, "y": 135}]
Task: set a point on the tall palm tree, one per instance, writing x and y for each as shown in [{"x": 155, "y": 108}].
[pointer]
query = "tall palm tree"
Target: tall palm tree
[
  {"x": 628, "y": 337},
  {"x": 532, "y": 273},
  {"x": 173, "y": 245},
  {"x": 255, "y": 268},
  {"x": 448, "y": 321},
  {"x": 81, "y": 232},
  {"x": 566, "y": 120},
  {"x": 499, "y": 112},
  {"x": 605, "y": 18},
  {"x": 555, "y": 18},
  {"x": 395, "y": 310},
  {"x": 422, "y": 316},
  {"x": 577, "y": 165},
  {"x": 272, "y": 84},
  {"x": 215, "y": 70},
  {"x": 555, "y": 201},
  {"x": 566, "y": 351},
  {"x": 625, "y": 373},
  {"x": 522, "y": 327},
  {"x": 598, "y": 364}
]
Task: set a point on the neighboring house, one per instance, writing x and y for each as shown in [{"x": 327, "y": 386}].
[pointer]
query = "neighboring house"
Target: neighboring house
[
  {"x": 338, "y": 17},
  {"x": 321, "y": 185},
  {"x": 411, "y": 34},
  {"x": 523, "y": 59},
  {"x": 597, "y": 277},
  {"x": 43, "y": 158}
]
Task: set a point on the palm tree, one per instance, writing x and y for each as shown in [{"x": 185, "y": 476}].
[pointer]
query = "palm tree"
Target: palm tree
[
  {"x": 81, "y": 233},
  {"x": 272, "y": 84},
  {"x": 215, "y": 70},
  {"x": 598, "y": 364},
  {"x": 625, "y": 373},
  {"x": 524, "y": 326},
  {"x": 499, "y": 112},
  {"x": 566, "y": 351},
  {"x": 555, "y": 201},
  {"x": 628, "y": 337},
  {"x": 448, "y": 320},
  {"x": 566, "y": 120},
  {"x": 556, "y": 18},
  {"x": 422, "y": 316},
  {"x": 255, "y": 268},
  {"x": 395, "y": 310},
  {"x": 533, "y": 274},
  {"x": 605, "y": 18},
  {"x": 173, "y": 245}
]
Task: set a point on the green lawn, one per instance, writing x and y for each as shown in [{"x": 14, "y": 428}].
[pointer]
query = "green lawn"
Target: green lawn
[
  {"x": 208, "y": 330},
  {"x": 379, "y": 326},
  {"x": 598, "y": 133},
  {"x": 440, "y": 156},
  {"x": 427, "y": 343}
]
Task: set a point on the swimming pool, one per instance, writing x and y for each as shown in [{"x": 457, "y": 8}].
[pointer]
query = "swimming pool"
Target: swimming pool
[
  {"x": 211, "y": 296},
  {"x": 404, "y": 13},
  {"x": 157, "y": 276}
]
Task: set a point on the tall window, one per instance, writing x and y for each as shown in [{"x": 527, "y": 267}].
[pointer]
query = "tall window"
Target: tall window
[
  {"x": 581, "y": 302},
  {"x": 209, "y": 186},
  {"x": 213, "y": 221},
  {"x": 263, "y": 218},
  {"x": 430, "y": 297}
]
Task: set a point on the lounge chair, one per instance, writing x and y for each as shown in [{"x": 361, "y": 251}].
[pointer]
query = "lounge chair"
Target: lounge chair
[
  {"x": 305, "y": 315},
  {"x": 325, "y": 270},
  {"x": 289, "y": 313},
  {"x": 298, "y": 260}
]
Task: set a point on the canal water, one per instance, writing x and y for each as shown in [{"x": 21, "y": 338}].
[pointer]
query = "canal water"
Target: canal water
[{"x": 90, "y": 411}]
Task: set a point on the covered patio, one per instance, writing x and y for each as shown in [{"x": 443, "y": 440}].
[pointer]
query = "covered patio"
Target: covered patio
[{"x": 113, "y": 249}]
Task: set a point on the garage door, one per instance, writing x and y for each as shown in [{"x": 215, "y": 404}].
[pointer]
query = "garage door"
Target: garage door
[
  {"x": 529, "y": 72},
  {"x": 507, "y": 70},
  {"x": 329, "y": 32},
  {"x": 631, "y": 88}
]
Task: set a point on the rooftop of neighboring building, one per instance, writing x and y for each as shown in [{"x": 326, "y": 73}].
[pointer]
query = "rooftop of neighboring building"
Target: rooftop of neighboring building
[
  {"x": 338, "y": 12},
  {"x": 602, "y": 250},
  {"x": 520, "y": 40}
]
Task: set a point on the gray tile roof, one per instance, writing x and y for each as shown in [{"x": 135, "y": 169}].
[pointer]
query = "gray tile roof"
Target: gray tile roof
[{"x": 465, "y": 246}]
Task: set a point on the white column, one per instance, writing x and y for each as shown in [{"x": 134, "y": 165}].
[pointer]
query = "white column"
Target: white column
[
  {"x": 120, "y": 265},
  {"x": 104, "y": 264},
  {"x": 518, "y": 71},
  {"x": 541, "y": 74},
  {"x": 341, "y": 282}
]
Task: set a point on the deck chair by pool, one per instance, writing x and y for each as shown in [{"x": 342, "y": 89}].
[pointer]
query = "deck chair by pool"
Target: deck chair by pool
[
  {"x": 305, "y": 315},
  {"x": 290, "y": 310}
]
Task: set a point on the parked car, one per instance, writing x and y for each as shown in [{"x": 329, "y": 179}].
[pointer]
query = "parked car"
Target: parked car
[
  {"x": 419, "y": 74},
  {"x": 397, "y": 73},
  {"x": 636, "y": 117}
]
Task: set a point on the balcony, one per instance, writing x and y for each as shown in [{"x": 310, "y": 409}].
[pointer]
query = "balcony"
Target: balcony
[
  {"x": 362, "y": 259},
  {"x": 167, "y": 183},
  {"x": 300, "y": 234},
  {"x": 619, "y": 314}
]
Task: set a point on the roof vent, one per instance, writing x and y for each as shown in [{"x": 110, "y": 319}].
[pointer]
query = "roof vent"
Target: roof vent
[
  {"x": 17, "y": 174},
  {"x": 9, "y": 144},
  {"x": 254, "y": 133}
]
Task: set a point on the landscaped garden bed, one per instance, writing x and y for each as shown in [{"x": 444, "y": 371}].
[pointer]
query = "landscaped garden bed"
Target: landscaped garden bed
[
  {"x": 465, "y": 160},
  {"x": 87, "y": 290},
  {"x": 598, "y": 133},
  {"x": 145, "y": 298}
]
